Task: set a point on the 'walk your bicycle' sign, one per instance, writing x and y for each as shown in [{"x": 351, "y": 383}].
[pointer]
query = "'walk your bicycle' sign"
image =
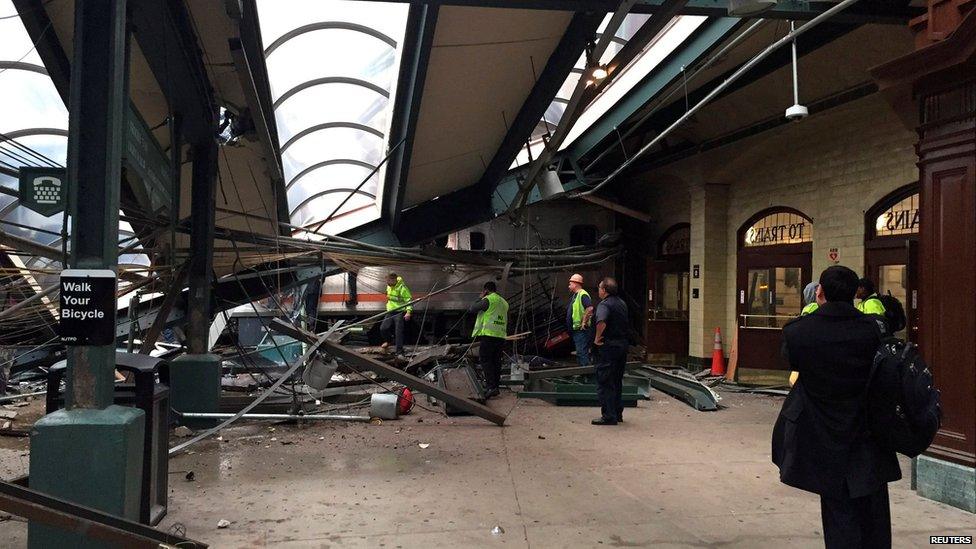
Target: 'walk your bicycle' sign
[{"x": 87, "y": 306}]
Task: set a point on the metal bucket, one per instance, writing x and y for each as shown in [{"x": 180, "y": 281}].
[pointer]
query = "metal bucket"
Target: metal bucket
[{"x": 384, "y": 406}]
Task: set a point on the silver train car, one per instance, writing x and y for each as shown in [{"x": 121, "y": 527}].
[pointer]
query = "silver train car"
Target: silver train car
[{"x": 544, "y": 226}]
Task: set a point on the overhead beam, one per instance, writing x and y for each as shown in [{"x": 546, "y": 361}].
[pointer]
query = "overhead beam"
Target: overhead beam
[
  {"x": 559, "y": 5},
  {"x": 692, "y": 51},
  {"x": 583, "y": 96},
  {"x": 472, "y": 204},
  {"x": 619, "y": 208},
  {"x": 417, "y": 44},
  {"x": 799, "y": 10},
  {"x": 258, "y": 93},
  {"x": 812, "y": 41},
  {"x": 168, "y": 42},
  {"x": 37, "y": 23},
  {"x": 258, "y": 115}
]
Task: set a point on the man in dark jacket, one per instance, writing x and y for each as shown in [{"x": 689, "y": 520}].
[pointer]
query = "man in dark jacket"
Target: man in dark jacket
[
  {"x": 611, "y": 340},
  {"x": 820, "y": 442}
]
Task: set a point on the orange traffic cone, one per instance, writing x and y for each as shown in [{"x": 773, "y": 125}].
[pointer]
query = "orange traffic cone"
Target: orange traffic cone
[{"x": 718, "y": 359}]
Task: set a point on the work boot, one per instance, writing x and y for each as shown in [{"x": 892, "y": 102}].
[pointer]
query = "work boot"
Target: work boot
[
  {"x": 384, "y": 345},
  {"x": 491, "y": 393},
  {"x": 604, "y": 421}
]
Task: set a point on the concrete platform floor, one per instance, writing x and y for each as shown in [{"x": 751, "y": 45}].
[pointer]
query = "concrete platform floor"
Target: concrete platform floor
[{"x": 668, "y": 477}]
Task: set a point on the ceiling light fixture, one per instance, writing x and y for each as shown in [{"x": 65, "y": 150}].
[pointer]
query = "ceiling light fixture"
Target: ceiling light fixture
[{"x": 596, "y": 70}]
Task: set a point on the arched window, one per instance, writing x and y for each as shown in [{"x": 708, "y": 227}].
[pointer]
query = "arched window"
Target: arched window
[
  {"x": 675, "y": 241},
  {"x": 775, "y": 227}
]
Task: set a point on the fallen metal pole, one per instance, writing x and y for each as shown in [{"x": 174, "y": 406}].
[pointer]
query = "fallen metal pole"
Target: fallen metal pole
[
  {"x": 789, "y": 38},
  {"x": 94, "y": 525},
  {"x": 276, "y": 417},
  {"x": 360, "y": 362},
  {"x": 312, "y": 349},
  {"x": 24, "y": 395}
]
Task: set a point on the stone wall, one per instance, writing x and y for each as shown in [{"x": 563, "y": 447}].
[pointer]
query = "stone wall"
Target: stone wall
[{"x": 833, "y": 167}]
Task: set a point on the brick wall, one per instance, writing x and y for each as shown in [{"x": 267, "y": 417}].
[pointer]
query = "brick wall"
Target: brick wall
[{"x": 832, "y": 167}]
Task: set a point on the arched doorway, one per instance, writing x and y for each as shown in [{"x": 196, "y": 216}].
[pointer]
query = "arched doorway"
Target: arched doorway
[
  {"x": 666, "y": 326},
  {"x": 774, "y": 264},
  {"x": 891, "y": 250}
]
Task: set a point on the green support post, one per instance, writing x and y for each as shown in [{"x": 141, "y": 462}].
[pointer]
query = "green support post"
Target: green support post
[
  {"x": 195, "y": 377},
  {"x": 90, "y": 453}
]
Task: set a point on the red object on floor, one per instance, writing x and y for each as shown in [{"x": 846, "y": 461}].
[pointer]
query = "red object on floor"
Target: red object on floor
[
  {"x": 718, "y": 359},
  {"x": 405, "y": 401},
  {"x": 555, "y": 341}
]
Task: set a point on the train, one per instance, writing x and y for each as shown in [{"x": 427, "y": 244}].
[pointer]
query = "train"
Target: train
[{"x": 547, "y": 225}]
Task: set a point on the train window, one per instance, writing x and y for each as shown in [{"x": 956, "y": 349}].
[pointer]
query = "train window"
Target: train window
[
  {"x": 477, "y": 240},
  {"x": 582, "y": 235}
]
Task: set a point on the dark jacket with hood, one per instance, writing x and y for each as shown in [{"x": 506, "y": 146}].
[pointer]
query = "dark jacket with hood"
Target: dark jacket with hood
[{"x": 820, "y": 441}]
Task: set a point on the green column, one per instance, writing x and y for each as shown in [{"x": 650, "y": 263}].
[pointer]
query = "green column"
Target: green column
[
  {"x": 195, "y": 377},
  {"x": 91, "y": 452}
]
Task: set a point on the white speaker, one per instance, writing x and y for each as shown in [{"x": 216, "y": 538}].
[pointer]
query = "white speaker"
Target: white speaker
[{"x": 749, "y": 8}]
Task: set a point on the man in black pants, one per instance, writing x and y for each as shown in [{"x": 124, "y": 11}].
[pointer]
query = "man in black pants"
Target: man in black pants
[
  {"x": 820, "y": 441},
  {"x": 611, "y": 341},
  {"x": 490, "y": 330}
]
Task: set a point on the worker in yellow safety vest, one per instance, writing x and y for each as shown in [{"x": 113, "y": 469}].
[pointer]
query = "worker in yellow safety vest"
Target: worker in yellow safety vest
[
  {"x": 870, "y": 302},
  {"x": 578, "y": 315},
  {"x": 810, "y": 298},
  {"x": 490, "y": 330},
  {"x": 813, "y": 299},
  {"x": 397, "y": 311}
]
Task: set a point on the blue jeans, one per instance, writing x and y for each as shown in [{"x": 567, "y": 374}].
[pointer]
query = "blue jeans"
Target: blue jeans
[{"x": 581, "y": 338}]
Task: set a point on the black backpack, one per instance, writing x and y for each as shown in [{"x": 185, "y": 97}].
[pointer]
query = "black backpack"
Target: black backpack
[
  {"x": 894, "y": 313},
  {"x": 904, "y": 410}
]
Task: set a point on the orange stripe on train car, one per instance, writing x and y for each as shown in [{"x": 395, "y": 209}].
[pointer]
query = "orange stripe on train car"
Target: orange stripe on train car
[{"x": 362, "y": 298}]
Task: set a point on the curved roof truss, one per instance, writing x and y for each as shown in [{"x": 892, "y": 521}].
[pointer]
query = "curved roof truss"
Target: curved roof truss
[{"x": 328, "y": 25}]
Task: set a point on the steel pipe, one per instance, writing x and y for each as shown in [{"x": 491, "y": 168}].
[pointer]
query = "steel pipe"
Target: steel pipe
[
  {"x": 276, "y": 417},
  {"x": 789, "y": 38}
]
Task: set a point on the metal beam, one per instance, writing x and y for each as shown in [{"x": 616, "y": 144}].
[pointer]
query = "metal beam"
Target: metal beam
[
  {"x": 472, "y": 204},
  {"x": 170, "y": 46},
  {"x": 799, "y": 10},
  {"x": 561, "y": 62},
  {"x": 415, "y": 55},
  {"x": 812, "y": 41},
  {"x": 582, "y": 96},
  {"x": 96, "y": 526},
  {"x": 328, "y": 25},
  {"x": 253, "y": 48},
  {"x": 33, "y": 14},
  {"x": 560, "y": 5},
  {"x": 330, "y": 80},
  {"x": 258, "y": 115},
  {"x": 202, "y": 222},
  {"x": 726, "y": 86},
  {"x": 692, "y": 51},
  {"x": 361, "y": 362},
  {"x": 99, "y": 75},
  {"x": 619, "y": 208}
]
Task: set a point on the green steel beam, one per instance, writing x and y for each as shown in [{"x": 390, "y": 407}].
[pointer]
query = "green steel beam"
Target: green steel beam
[
  {"x": 798, "y": 10},
  {"x": 667, "y": 73}
]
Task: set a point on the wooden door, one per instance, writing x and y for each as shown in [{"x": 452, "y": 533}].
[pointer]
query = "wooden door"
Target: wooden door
[
  {"x": 769, "y": 293},
  {"x": 889, "y": 266},
  {"x": 947, "y": 262},
  {"x": 666, "y": 325}
]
